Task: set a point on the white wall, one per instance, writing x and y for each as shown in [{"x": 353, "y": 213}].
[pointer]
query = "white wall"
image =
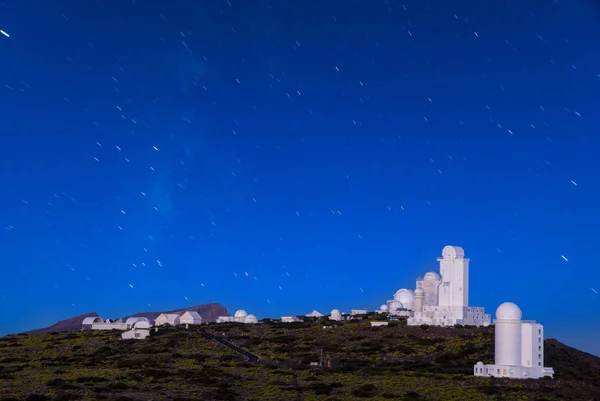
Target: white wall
[
  {"x": 508, "y": 343},
  {"x": 109, "y": 326}
]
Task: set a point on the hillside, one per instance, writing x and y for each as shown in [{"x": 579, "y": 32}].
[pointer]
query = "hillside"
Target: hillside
[
  {"x": 395, "y": 362},
  {"x": 209, "y": 313}
]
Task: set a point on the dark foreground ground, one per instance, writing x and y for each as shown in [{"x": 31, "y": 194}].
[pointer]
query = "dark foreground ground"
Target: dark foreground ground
[{"x": 385, "y": 363}]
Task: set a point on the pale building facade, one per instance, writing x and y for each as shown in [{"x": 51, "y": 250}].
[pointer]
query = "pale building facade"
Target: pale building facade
[
  {"x": 96, "y": 323},
  {"x": 167, "y": 318},
  {"x": 315, "y": 313},
  {"x": 519, "y": 347},
  {"x": 134, "y": 319},
  {"x": 139, "y": 331},
  {"x": 190, "y": 318},
  {"x": 290, "y": 319},
  {"x": 335, "y": 315},
  {"x": 240, "y": 316}
]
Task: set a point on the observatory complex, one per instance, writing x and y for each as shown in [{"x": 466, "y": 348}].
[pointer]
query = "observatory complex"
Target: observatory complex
[
  {"x": 440, "y": 299},
  {"x": 519, "y": 349}
]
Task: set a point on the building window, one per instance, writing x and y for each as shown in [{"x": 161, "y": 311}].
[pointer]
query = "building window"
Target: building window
[
  {"x": 540, "y": 331},
  {"x": 539, "y": 340},
  {"x": 539, "y": 347},
  {"x": 539, "y": 364},
  {"x": 540, "y": 356}
]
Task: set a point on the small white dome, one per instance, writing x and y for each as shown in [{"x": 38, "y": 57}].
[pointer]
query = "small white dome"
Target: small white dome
[
  {"x": 335, "y": 315},
  {"x": 394, "y": 305},
  {"x": 508, "y": 311},
  {"x": 250, "y": 319},
  {"x": 241, "y": 313},
  {"x": 384, "y": 308},
  {"x": 431, "y": 276}
]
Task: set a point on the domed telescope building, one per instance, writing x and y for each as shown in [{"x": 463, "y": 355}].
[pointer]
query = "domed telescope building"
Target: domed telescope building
[
  {"x": 440, "y": 299},
  {"x": 519, "y": 347}
]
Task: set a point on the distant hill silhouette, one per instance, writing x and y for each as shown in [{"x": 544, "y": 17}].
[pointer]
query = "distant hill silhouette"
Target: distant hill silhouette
[{"x": 209, "y": 313}]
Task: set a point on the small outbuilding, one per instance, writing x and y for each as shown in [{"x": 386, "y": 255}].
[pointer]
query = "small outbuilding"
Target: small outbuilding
[
  {"x": 141, "y": 330},
  {"x": 134, "y": 319},
  {"x": 315, "y": 314},
  {"x": 190, "y": 318},
  {"x": 167, "y": 318}
]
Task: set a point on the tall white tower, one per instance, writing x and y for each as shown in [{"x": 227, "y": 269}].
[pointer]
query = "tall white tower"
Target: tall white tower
[
  {"x": 508, "y": 335},
  {"x": 454, "y": 269}
]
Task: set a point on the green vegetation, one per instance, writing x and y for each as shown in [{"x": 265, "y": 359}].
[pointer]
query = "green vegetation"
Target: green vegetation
[{"x": 360, "y": 362}]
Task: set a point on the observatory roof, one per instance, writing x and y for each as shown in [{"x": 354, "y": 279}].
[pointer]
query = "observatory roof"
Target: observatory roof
[
  {"x": 241, "y": 313},
  {"x": 453, "y": 252},
  {"x": 508, "y": 311},
  {"x": 431, "y": 276},
  {"x": 403, "y": 295},
  {"x": 92, "y": 320}
]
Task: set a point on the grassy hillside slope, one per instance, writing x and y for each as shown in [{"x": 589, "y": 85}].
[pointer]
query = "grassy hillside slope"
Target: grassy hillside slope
[{"x": 396, "y": 362}]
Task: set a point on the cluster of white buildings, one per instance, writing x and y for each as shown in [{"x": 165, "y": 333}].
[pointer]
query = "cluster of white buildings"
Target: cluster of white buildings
[
  {"x": 440, "y": 299},
  {"x": 240, "y": 316},
  {"x": 139, "y": 327}
]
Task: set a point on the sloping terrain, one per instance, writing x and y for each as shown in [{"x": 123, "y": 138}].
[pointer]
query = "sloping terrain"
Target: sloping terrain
[
  {"x": 209, "y": 313},
  {"x": 395, "y": 362}
]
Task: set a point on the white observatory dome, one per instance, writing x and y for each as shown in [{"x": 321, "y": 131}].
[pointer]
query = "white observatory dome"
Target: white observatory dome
[
  {"x": 335, "y": 315},
  {"x": 431, "y": 276},
  {"x": 241, "y": 313},
  {"x": 453, "y": 252},
  {"x": 403, "y": 295},
  {"x": 509, "y": 311},
  {"x": 394, "y": 305},
  {"x": 384, "y": 308},
  {"x": 250, "y": 319}
]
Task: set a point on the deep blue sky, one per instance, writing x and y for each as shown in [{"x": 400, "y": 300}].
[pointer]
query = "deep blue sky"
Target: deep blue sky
[{"x": 311, "y": 155}]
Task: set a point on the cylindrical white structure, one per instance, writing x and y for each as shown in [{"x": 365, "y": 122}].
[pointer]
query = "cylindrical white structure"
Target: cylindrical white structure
[
  {"x": 431, "y": 282},
  {"x": 508, "y": 334},
  {"x": 419, "y": 300},
  {"x": 405, "y": 297}
]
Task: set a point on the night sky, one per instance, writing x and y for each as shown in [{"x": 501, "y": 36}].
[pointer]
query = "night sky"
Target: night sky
[{"x": 287, "y": 156}]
